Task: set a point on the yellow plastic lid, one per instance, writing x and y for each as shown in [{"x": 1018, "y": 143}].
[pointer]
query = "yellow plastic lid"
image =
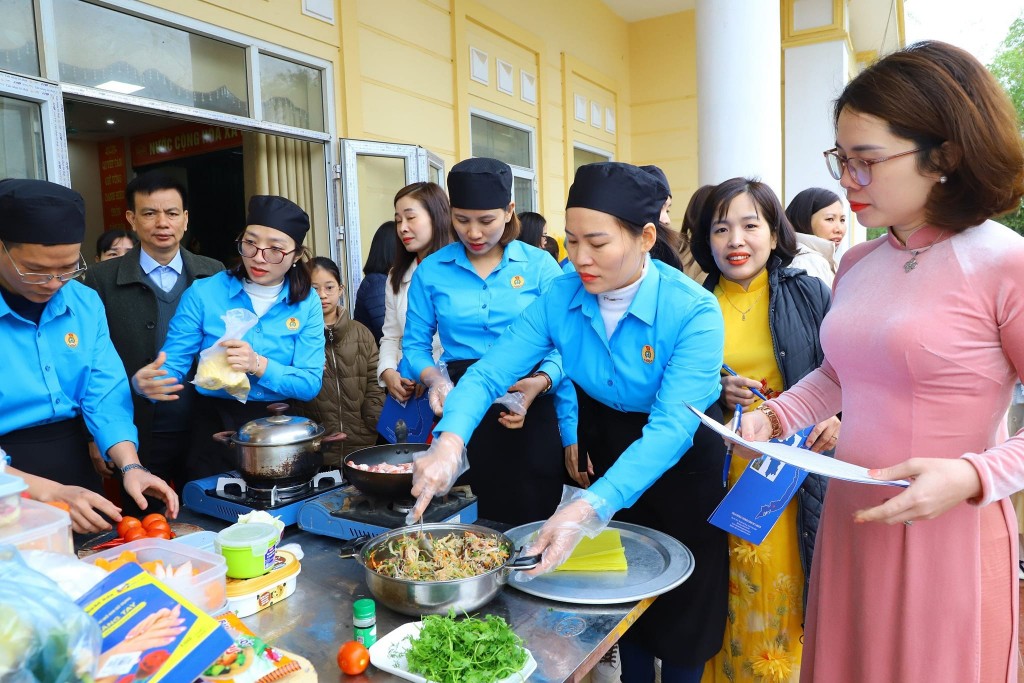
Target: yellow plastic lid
[{"x": 285, "y": 566}]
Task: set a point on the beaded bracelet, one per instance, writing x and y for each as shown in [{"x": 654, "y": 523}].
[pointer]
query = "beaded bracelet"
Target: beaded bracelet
[{"x": 773, "y": 419}]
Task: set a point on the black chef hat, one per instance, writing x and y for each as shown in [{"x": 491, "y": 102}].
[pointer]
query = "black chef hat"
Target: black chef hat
[
  {"x": 622, "y": 190},
  {"x": 40, "y": 212},
  {"x": 662, "y": 178},
  {"x": 480, "y": 184},
  {"x": 278, "y": 213}
]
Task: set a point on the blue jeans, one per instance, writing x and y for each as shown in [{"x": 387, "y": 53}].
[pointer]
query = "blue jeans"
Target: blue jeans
[{"x": 638, "y": 667}]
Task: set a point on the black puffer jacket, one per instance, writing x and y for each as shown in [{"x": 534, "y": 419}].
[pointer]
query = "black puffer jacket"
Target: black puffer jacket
[{"x": 797, "y": 303}]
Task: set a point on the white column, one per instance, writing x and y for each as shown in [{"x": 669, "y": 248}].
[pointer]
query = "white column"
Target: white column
[
  {"x": 739, "y": 90},
  {"x": 815, "y": 76}
]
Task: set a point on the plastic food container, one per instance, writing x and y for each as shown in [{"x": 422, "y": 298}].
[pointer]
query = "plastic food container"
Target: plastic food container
[
  {"x": 206, "y": 588},
  {"x": 249, "y": 596},
  {"x": 249, "y": 549},
  {"x": 39, "y": 527},
  {"x": 10, "y": 498}
]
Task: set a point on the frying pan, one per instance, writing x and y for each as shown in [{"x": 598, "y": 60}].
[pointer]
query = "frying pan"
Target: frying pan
[{"x": 391, "y": 486}]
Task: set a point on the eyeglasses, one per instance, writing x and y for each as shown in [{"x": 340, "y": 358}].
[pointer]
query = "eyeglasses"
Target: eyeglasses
[
  {"x": 44, "y": 278},
  {"x": 270, "y": 254},
  {"x": 860, "y": 169},
  {"x": 327, "y": 289}
]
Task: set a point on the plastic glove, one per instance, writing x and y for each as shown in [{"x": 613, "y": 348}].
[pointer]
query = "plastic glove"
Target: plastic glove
[
  {"x": 439, "y": 384},
  {"x": 581, "y": 513},
  {"x": 435, "y": 470}
]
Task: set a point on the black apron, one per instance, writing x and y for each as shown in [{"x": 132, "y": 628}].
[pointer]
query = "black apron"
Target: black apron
[
  {"x": 684, "y": 626},
  {"x": 516, "y": 474},
  {"x": 58, "y": 451},
  {"x": 210, "y": 415}
]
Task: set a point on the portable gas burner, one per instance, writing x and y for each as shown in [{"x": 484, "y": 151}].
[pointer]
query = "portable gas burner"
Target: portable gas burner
[
  {"x": 348, "y": 513},
  {"x": 227, "y": 496}
]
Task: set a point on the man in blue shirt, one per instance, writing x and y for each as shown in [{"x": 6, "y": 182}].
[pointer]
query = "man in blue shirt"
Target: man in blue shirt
[
  {"x": 141, "y": 292},
  {"x": 62, "y": 366}
]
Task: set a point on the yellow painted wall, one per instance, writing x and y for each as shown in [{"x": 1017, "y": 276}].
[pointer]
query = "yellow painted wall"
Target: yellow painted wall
[{"x": 663, "y": 76}]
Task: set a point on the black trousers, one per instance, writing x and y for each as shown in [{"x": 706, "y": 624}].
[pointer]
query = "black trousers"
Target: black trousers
[
  {"x": 516, "y": 474},
  {"x": 685, "y": 625}
]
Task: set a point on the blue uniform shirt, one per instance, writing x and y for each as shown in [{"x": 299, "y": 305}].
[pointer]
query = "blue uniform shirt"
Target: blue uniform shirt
[
  {"x": 470, "y": 313},
  {"x": 64, "y": 367},
  {"x": 290, "y": 336},
  {"x": 666, "y": 350}
]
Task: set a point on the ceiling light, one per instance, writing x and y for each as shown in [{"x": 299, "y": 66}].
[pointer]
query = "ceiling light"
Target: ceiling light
[
  {"x": 110, "y": 122},
  {"x": 118, "y": 86}
]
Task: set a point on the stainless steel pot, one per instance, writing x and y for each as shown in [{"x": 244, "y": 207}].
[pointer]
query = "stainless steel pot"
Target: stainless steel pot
[
  {"x": 415, "y": 598},
  {"x": 280, "y": 450}
]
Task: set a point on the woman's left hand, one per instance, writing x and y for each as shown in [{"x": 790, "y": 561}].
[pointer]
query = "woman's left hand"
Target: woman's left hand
[
  {"x": 824, "y": 435},
  {"x": 530, "y": 388},
  {"x": 241, "y": 357},
  {"x": 936, "y": 485}
]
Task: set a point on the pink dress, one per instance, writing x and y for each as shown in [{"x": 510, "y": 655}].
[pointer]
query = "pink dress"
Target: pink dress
[{"x": 921, "y": 363}]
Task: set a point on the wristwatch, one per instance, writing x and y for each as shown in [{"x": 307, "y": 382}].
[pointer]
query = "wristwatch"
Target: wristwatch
[
  {"x": 546, "y": 376},
  {"x": 134, "y": 466}
]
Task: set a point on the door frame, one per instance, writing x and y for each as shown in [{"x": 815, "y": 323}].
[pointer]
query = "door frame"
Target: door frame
[
  {"x": 419, "y": 162},
  {"x": 49, "y": 98}
]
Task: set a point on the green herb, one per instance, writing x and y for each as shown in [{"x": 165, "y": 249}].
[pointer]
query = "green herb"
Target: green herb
[{"x": 467, "y": 650}]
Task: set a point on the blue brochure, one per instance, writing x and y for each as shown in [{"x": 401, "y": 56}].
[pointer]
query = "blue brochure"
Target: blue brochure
[
  {"x": 754, "y": 504},
  {"x": 416, "y": 412}
]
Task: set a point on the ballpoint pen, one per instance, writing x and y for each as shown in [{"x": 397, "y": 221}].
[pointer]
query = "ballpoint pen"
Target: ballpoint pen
[
  {"x": 736, "y": 417},
  {"x": 733, "y": 373}
]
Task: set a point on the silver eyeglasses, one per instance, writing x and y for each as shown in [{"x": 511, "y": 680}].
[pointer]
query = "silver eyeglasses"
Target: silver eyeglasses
[
  {"x": 860, "y": 169},
  {"x": 44, "y": 278},
  {"x": 270, "y": 254}
]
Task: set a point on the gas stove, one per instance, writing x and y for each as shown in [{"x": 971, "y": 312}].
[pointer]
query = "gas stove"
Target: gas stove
[
  {"x": 226, "y": 496},
  {"x": 348, "y": 513}
]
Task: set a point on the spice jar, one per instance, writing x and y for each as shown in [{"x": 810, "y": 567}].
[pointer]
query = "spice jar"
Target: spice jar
[{"x": 364, "y": 621}]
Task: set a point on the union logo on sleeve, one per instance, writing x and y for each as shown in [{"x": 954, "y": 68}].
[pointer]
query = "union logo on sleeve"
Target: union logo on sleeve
[
  {"x": 517, "y": 281},
  {"x": 647, "y": 353},
  {"x": 71, "y": 339},
  {"x": 292, "y": 324}
]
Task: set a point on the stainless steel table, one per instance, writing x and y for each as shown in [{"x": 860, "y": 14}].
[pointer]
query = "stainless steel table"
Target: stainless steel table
[{"x": 566, "y": 640}]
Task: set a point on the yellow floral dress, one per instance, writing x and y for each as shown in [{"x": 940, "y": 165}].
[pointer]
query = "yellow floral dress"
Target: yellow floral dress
[{"x": 763, "y": 632}]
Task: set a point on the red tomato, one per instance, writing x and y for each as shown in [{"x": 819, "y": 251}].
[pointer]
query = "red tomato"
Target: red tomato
[
  {"x": 157, "y": 524},
  {"x": 134, "y": 534},
  {"x": 353, "y": 658},
  {"x": 151, "y": 518},
  {"x": 156, "y": 532},
  {"x": 127, "y": 523}
]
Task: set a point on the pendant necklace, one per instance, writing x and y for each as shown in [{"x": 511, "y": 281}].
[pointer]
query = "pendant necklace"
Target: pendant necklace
[
  {"x": 912, "y": 262},
  {"x": 743, "y": 313}
]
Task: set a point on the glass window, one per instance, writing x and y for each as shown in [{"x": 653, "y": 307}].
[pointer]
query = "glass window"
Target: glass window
[
  {"x": 148, "y": 59},
  {"x": 501, "y": 141},
  {"x": 514, "y": 146},
  {"x": 292, "y": 94},
  {"x": 21, "y": 141},
  {"x": 582, "y": 157},
  {"x": 18, "y": 52}
]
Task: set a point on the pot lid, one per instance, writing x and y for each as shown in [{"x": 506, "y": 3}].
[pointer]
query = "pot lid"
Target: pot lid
[{"x": 278, "y": 429}]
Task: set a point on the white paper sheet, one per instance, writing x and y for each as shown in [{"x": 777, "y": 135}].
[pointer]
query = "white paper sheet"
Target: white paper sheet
[{"x": 799, "y": 457}]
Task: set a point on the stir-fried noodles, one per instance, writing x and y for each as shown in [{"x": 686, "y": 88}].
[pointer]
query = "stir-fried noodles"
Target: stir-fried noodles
[{"x": 455, "y": 556}]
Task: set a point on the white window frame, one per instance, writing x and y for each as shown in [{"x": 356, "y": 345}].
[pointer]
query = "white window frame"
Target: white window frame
[
  {"x": 51, "y": 109},
  {"x": 529, "y": 174},
  {"x": 609, "y": 156}
]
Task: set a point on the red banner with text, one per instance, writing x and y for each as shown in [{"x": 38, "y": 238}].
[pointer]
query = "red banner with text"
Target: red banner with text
[
  {"x": 182, "y": 141},
  {"x": 112, "y": 183}
]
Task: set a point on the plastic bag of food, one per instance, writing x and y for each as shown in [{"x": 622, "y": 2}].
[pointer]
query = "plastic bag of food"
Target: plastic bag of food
[
  {"x": 214, "y": 372},
  {"x": 44, "y": 636}
]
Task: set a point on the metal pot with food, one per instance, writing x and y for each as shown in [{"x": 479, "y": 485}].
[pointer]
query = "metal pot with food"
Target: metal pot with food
[
  {"x": 280, "y": 450},
  {"x": 442, "y": 567}
]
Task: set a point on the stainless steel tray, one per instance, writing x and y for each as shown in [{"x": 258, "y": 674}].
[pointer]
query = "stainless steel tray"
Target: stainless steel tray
[{"x": 657, "y": 563}]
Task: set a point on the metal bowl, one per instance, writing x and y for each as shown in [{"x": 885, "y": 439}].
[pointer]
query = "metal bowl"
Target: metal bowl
[
  {"x": 415, "y": 598},
  {"x": 391, "y": 486}
]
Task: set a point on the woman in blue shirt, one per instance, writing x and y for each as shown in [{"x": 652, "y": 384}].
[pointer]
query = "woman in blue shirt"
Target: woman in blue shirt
[
  {"x": 283, "y": 354},
  {"x": 470, "y": 292},
  {"x": 639, "y": 339}
]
